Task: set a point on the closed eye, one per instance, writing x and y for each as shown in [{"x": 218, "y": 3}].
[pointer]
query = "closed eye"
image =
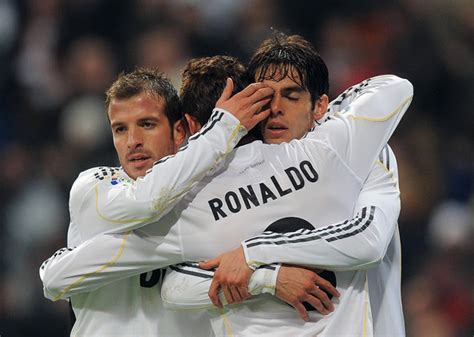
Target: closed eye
[
  {"x": 292, "y": 93},
  {"x": 292, "y": 97}
]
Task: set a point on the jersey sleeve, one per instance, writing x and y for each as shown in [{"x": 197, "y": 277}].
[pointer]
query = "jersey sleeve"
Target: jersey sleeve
[
  {"x": 111, "y": 257},
  {"x": 186, "y": 286},
  {"x": 362, "y": 120},
  {"x": 105, "y": 259},
  {"x": 101, "y": 203},
  {"x": 355, "y": 243},
  {"x": 106, "y": 203}
]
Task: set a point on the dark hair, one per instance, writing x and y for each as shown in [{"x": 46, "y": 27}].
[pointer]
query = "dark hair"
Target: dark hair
[
  {"x": 292, "y": 56},
  {"x": 151, "y": 82},
  {"x": 203, "y": 81}
]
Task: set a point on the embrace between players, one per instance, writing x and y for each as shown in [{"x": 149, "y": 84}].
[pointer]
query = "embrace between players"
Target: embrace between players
[{"x": 296, "y": 218}]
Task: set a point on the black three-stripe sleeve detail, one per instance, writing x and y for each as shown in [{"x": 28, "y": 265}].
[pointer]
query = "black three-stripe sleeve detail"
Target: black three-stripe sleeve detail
[
  {"x": 215, "y": 117},
  {"x": 387, "y": 155},
  {"x": 193, "y": 270},
  {"x": 331, "y": 233}
]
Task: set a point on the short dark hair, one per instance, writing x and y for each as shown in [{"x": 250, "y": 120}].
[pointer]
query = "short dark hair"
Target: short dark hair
[
  {"x": 293, "y": 56},
  {"x": 203, "y": 81},
  {"x": 150, "y": 81}
]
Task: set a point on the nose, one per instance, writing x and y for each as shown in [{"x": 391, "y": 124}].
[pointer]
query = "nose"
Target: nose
[
  {"x": 135, "y": 138},
  {"x": 275, "y": 105}
]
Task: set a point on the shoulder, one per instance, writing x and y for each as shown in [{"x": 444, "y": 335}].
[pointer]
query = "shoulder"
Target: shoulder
[
  {"x": 88, "y": 179},
  {"x": 96, "y": 175}
]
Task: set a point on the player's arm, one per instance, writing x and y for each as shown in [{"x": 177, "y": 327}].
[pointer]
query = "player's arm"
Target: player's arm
[
  {"x": 356, "y": 135},
  {"x": 355, "y": 243},
  {"x": 364, "y": 118},
  {"x": 102, "y": 200},
  {"x": 186, "y": 285},
  {"x": 121, "y": 206},
  {"x": 101, "y": 204},
  {"x": 104, "y": 259}
]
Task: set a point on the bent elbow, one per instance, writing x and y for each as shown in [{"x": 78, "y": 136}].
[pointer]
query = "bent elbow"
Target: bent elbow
[
  {"x": 52, "y": 285},
  {"x": 51, "y": 291}
]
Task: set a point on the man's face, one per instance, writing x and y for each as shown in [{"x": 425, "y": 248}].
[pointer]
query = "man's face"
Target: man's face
[
  {"x": 141, "y": 132},
  {"x": 292, "y": 114}
]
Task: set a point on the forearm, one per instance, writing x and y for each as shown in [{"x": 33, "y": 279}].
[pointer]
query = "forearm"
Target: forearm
[
  {"x": 103, "y": 260},
  {"x": 129, "y": 206},
  {"x": 186, "y": 286},
  {"x": 354, "y": 244}
]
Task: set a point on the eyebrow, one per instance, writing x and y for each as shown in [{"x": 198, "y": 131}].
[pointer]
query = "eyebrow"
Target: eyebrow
[
  {"x": 291, "y": 89},
  {"x": 115, "y": 124},
  {"x": 141, "y": 120},
  {"x": 149, "y": 119}
]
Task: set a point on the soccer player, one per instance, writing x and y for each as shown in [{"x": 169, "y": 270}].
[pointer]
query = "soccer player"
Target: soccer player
[
  {"x": 257, "y": 176},
  {"x": 280, "y": 63},
  {"x": 146, "y": 121},
  {"x": 295, "y": 102}
]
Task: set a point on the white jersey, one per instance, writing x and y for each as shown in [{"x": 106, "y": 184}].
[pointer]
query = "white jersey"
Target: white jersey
[
  {"x": 132, "y": 306},
  {"x": 186, "y": 286},
  {"x": 315, "y": 180}
]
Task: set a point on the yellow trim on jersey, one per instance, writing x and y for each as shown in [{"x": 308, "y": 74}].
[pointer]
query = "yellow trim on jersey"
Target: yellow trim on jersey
[
  {"x": 382, "y": 119},
  {"x": 383, "y": 166},
  {"x": 233, "y": 135},
  {"x": 158, "y": 207},
  {"x": 366, "y": 308},
  {"x": 103, "y": 217},
  {"x": 227, "y": 326},
  {"x": 102, "y": 268},
  {"x": 392, "y": 177}
]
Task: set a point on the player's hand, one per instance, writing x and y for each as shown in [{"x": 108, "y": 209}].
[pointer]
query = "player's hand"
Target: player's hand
[
  {"x": 296, "y": 285},
  {"x": 232, "y": 276},
  {"x": 247, "y": 104}
]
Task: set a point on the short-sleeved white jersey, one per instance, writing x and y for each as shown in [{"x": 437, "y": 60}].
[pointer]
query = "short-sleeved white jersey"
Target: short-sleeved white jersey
[{"x": 316, "y": 180}]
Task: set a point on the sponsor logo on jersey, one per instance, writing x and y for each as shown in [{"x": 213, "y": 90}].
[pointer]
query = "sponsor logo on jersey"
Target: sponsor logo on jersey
[{"x": 261, "y": 193}]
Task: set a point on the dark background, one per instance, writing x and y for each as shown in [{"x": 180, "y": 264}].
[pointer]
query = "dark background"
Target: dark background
[{"x": 58, "y": 56}]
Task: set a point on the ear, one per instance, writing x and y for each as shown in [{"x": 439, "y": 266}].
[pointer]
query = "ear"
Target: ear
[
  {"x": 179, "y": 133},
  {"x": 320, "y": 107},
  {"x": 193, "y": 124}
]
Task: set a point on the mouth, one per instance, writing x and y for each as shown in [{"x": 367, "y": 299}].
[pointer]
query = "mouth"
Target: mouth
[
  {"x": 139, "y": 160},
  {"x": 275, "y": 129},
  {"x": 137, "y": 157}
]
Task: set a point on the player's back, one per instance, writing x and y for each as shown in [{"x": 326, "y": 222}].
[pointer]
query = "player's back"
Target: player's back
[
  {"x": 278, "y": 188},
  {"x": 314, "y": 181}
]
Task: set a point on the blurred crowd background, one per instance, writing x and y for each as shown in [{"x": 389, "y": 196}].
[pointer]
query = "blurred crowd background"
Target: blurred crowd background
[{"x": 57, "y": 57}]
